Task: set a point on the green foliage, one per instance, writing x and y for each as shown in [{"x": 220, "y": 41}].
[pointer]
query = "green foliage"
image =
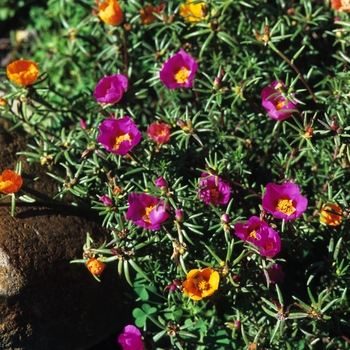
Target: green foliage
[{"x": 217, "y": 128}]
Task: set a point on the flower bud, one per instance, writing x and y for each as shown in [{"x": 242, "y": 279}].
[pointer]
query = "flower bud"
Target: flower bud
[
  {"x": 106, "y": 200},
  {"x": 179, "y": 215},
  {"x": 225, "y": 218},
  {"x": 161, "y": 182}
]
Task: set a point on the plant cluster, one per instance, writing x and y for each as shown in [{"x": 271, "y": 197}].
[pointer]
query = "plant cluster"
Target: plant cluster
[{"x": 211, "y": 138}]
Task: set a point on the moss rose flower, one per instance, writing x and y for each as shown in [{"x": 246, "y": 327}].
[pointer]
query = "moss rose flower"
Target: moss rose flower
[
  {"x": 95, "y": 266},
  {"x": 118, "y": 136},
  {"x": 10, "y": 182},
  {"x": 277, "y": 106},
  {"x": 146, "y": 211},
  {"x": 331, "y": 214},
  {"x": 110, "y": 12},
  {"x": 192, "y": 12},
  {"x": 131, "y": 339},
  {"x": 179, "y": 71},
  {"x": 159, "y": 132},
  {"x": 23, "y": 72},
  {"x": 200, "y": 284},
  {"x": 276, "y": 273},
  {"x": 213, "y": 190},
  {"x": 284, "y": 201},
  {"x": 260, "y": 234},
  {"x": 110, "y": 89},
  {"x": 341, "y": 5}
]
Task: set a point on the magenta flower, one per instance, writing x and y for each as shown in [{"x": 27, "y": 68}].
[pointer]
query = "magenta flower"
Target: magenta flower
[
  {"x": 270, "y": 242},
  {"x": 110, "y": 89},
  {"x": 178, "y": 71},
  {"x": 276, "y": 273},
  {"x": 106, "y": 200},
  {"x": 161, "y": 182},
  {"x": 131, "y": 339},
  {"x": 284, "y": 201},
  {"x": 145, "y": 211},
  {"x": 260, "y": 234},
  {"x": 277, "y": 106},
  {"x": 179, "y": 215},
  {"x": 159, "y": 132},
  {"x": 213, "y": 190},
  {"x": 118, "y": 136}
]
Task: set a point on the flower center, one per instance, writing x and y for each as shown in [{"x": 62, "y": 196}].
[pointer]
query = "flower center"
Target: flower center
[
  {"x": 286, "y": 206},
  {"x": 280, "y": 104},
  {"x": 214, "y": 194},
  {"x": 252, "y": 234},
  {"x": 120, "y": 139},
  {"x": 145, "y": 217},
  {"x": 182, "y": 75},
  {"x": 268, "y": 246},
  {"x": 201, "y": 283}
]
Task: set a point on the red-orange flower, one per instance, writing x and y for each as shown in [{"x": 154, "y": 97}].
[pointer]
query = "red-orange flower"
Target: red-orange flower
[
  {"x": 23, "y": 72},
  {"x": 341, "y": 5},
  {"x": 3, "y": 102},
  {"x": 110, "y": 12},
  {"x": 10, "y": 182},
  {"x": 95, "y": 266},
  {"x": 329, "y": 214},
  {"x": 147, "y": 14},
  {"x": 200, "y": 284},
  {"x": 159, "y": 132}
]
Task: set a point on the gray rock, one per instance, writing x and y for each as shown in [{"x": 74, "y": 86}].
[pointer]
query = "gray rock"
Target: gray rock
[{"x": 45, "y": 302}]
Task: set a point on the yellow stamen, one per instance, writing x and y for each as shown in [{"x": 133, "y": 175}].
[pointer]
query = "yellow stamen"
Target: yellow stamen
[
  {"x": 280, "y": 104},
  {"x": 147, "y": 212},
  {"x": 286, "y": 206},
  {"x": 253, "y": 234},
  {"x": 120, "y": 139},
  {"x": 201, "y": 283},
  {"x": 182, "y": 75}
]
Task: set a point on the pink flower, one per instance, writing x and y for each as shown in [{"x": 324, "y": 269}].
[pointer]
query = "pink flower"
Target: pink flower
[
  {"x": 131, "y": 339},
  {"x": 260, "y": 234},
  {"x": 106, "y": 200},
  {"x": 277, "y": 106},
  {"x": 225, "y": 218},
  {"x": 275, "y": 273},
  {"x": 110, "y": 89},
  {"x": 82, "y": 124},
  {"x": 159, "y": 132},
  {"x": 161, "y": 182},
  {"x": 178, "y": 71},
  {"x": 145, "y": 211},
  {"x": 179, "y": 215},
  {"x": 213, "y": 190},
  {"x": 118, "y": 136},
  {"x": 284, "y": 201}
]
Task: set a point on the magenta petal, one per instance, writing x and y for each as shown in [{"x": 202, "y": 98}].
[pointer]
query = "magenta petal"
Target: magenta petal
[
  {"x": 158, "y": 215},
  {"x": 110, "y": 89},
  {"x": 131, "y": 339},
  {"x": 214, "y": 191},
  {"x": 175, "y": 63}
]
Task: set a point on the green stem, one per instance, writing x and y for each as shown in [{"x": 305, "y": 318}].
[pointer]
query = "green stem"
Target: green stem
[{"x": 286, "y": 59}]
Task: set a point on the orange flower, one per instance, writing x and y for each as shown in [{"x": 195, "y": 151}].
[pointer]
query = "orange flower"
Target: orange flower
[
  {"x": 341, "y": 5},
  {"x": 10, "y": 182},
  {"x": 23, "y": 72},
  {"x": 200, "y": 284},
  {"x": 3, "y": 102},
  {"x": 147, "y": 16},
  {"x": 95, "y": 266},
  {"x": 192, "y": 12},
  {"x": 110, "y": 12},
  {"x": 328, "y": 214}
]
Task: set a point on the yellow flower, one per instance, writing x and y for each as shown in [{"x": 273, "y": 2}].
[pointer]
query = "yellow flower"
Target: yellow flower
[
  {"x": 95, "y": 266},
  {"x": 328, "y": 214},
  {"x": 147, "y": 16},
  {"x": 10, "y": 182},
  {"x": 23, "y": 72},
  {"x": 192, "y": 12},
  {"x": 110, "y": 12},
  {"x": 200, "y": 284}
]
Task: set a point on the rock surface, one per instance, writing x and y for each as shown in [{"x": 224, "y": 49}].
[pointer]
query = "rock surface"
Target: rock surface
[{"x": 45, "y": 302}]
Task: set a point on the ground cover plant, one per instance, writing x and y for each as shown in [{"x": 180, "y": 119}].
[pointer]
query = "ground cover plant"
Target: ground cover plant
[{"x": 212, "y": 138}]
